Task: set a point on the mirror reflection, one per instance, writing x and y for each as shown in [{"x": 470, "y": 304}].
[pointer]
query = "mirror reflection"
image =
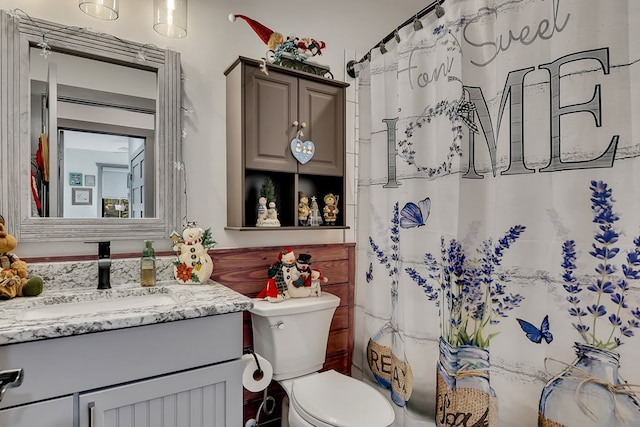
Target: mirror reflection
[
  {"x": 93, "y": 133},
  {"x": 110, "y": 168}
]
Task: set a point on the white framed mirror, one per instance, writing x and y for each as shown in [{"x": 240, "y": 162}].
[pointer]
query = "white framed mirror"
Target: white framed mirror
[{"x": 95, "y": 196}]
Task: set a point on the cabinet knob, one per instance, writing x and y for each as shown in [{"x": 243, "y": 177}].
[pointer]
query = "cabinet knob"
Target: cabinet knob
[
  {"x": 295, "y": 123},
  {"x": 303, "y": 125}
]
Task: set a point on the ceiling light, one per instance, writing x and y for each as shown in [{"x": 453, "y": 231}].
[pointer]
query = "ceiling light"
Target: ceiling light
[
  {"x": 102, "y": 9},
  {"x": 170, "y": 18}
]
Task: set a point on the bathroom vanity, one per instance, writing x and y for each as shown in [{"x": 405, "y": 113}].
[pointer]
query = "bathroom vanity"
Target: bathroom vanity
[{"x": 130, "y": 356}]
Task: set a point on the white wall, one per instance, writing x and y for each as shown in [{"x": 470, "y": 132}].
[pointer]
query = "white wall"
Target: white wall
[
  {"x": 85, "y": 162},
  {"x": 212, "y": 44}
]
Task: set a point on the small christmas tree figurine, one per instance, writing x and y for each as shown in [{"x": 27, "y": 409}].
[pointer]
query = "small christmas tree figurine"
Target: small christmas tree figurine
[
  {"x": 268, "y": 191},
  {"x": 267, "y": 201}
]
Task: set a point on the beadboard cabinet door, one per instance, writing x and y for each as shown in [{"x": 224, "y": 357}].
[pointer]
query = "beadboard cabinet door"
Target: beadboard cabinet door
[{"x": 205, "y": 397}]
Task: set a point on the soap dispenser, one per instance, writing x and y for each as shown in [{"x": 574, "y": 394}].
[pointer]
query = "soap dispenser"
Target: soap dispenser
[{"x": 148, "y": 265}]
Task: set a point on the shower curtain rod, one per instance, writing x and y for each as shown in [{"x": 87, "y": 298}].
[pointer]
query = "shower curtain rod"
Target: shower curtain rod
[{"x": 351, "y": 71}]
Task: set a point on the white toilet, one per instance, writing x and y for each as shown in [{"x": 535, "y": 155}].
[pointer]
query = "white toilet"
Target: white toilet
[{"x": 292, "y": 335}]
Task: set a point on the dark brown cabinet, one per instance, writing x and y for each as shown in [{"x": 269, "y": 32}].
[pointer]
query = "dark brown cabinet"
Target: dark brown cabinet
[{"x": 265, "y": 112}]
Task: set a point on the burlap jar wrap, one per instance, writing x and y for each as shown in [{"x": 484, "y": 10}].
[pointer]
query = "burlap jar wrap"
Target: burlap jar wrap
[
  {"x": 464, "y": 394},
  {"x": 390, "y": 369},
  {"x": 543, "y": 422},
  {"x": 464, "y": 407}
]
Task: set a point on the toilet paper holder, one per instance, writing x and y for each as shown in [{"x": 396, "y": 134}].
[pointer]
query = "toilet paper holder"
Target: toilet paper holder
[{"x": 258, "y": 374}]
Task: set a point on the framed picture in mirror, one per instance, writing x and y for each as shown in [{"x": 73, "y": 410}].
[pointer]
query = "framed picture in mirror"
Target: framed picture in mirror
[
  {"x": 81, "y": 196},
  {"x": 75, "y": 179}
]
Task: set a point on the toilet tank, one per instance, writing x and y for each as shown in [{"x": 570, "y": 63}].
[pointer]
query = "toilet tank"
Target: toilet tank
[{"x": 292, "y": 334}]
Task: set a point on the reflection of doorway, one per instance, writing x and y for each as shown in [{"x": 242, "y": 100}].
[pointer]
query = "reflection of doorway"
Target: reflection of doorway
[
  {"x": 137, "y": 183},
  {"x": 115, "y": 208},
  {"x": 113, "y": 189}
]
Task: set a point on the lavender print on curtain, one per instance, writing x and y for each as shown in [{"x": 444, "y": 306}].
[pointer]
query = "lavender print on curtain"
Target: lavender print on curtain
[
  {"x": 498, "y": 237},
  {"x": 589, "y": 390},
  {"x": 473, "y": 299},
  {"x": 385, "y": 349}
]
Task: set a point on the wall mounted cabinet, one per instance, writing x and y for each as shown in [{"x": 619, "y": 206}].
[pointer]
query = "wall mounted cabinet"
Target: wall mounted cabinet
[{"x": 265, "y": 112}]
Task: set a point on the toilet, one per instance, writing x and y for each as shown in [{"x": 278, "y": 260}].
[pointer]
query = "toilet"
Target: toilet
[{"x": 292, "y": 335}]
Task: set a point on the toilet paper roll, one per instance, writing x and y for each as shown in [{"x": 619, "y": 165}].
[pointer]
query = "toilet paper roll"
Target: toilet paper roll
[{"x": 253, "y": 378}]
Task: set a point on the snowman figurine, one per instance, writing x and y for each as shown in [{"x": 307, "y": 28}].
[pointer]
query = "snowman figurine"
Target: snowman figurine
[
  {"x": 194, "y": 265},
  {"x": 282, "y": 275}
]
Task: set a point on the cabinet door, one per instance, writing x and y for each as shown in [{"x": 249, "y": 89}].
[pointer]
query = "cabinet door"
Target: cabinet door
[
  {"x": 270, "y": 109},
  {"x": 210, "y": 396},
  {"x": 321, "y": 107},
  {"x": 50, "y": 413}
]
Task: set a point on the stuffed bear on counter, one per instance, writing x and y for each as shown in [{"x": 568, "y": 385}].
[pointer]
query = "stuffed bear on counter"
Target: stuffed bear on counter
[{"x": 13, "y": 271}]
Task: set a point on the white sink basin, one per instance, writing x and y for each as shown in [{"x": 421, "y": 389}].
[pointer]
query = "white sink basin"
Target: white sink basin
[{"x": 110, "y": 302}]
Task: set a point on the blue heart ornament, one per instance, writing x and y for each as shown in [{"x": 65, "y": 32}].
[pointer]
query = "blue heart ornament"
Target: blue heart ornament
[{"x": 302, "y": 151}]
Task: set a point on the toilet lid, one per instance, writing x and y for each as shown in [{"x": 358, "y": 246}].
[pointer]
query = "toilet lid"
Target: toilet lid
[{"x": 337, "y": 400}]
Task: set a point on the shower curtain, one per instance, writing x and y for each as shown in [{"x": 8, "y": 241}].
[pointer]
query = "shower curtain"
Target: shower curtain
[{"x": 498, "y": 231}]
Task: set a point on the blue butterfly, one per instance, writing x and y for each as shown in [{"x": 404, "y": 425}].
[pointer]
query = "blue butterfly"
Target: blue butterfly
[
  {"x": 534, "y": 334},
  {"x": 369, "y": 274},
  {"x": 413, "y": 215}
]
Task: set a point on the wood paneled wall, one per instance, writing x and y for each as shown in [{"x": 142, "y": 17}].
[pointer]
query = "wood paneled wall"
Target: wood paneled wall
[{"x": 245, "y": 271}]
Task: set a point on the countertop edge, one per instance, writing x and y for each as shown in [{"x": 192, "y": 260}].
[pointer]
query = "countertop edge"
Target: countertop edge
[{"x": 192, "y": 301}]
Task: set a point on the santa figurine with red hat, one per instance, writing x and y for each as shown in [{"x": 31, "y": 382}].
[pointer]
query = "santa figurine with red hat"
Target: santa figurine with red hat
[
  {"x": 291, "y": 277},
  {"x": 281, "y": 275},
  {"x": 304, "y": 47},
  {"x": 271, "y": 38}
]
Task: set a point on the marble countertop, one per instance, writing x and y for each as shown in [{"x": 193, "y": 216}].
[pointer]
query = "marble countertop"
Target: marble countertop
[{"x": 74, "y": 311}]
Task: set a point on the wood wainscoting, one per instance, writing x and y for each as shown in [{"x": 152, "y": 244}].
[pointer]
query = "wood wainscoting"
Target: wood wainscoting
[{"x": 245, "y": 271}]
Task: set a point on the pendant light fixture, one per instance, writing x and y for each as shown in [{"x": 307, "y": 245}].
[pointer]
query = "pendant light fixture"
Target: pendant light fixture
[
  {"x": 170, "y": 18},
  {"x": 102, "y": 9}
]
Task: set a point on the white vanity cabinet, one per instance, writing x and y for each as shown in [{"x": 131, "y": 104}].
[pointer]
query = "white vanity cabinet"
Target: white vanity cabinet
[
  {"x": 185, "y": 373},
  {"x": 50, "y": 413}
]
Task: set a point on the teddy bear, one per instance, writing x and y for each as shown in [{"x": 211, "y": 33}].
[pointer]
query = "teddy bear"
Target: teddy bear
[
  {"x": 13, "y": 271},
  {"x": 331, "y": 209}
]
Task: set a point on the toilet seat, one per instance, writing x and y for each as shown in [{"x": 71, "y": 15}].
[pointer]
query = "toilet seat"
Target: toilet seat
[{"x": 330, "y": 399}]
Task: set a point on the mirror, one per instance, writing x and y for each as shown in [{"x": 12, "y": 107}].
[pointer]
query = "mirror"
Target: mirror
[
  {"x": 96, "y": 197},
  {"x": 105, "y": 115}
]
